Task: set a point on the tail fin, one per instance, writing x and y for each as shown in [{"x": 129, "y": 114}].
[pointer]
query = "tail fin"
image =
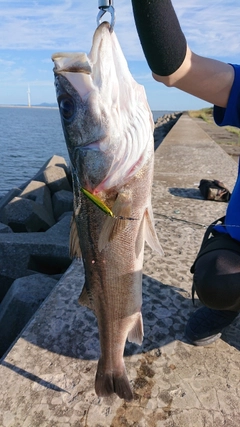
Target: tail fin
[{"x": 107, "y": 383}]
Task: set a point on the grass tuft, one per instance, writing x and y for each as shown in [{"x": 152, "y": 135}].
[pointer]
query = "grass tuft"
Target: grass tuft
[{"x": 205, "y": 113}]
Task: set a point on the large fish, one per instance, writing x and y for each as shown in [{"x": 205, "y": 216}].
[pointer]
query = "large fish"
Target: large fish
[{"x": 108, "y": 129}]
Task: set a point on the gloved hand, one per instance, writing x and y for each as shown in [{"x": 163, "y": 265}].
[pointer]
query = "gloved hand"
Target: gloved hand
[{"x": 160, "y": 34}]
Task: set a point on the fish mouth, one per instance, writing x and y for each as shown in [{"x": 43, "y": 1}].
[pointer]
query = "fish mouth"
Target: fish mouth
[
  {"x": 71, "y": 63},
  {"x": 70, "y": 69}
]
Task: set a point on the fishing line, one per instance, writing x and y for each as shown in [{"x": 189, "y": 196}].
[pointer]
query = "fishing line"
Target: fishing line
[{"x": 171, "y": 218}]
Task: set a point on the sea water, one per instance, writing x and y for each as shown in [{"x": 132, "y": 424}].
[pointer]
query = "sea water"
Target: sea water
[{"x": 28, "y": 138}]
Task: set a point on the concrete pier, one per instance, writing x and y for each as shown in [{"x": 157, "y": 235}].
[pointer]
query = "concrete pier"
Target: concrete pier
[{"x": 47, "y": 377}]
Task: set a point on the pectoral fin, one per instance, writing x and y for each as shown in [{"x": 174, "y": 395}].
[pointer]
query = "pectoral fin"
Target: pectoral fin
[{"x": 113, "y": 226}]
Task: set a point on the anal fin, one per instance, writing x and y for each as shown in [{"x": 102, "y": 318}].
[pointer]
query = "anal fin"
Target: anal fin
[{"x": 136, "y": 333}]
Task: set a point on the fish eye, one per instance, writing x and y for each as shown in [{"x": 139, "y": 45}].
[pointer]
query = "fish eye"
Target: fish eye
[{"x": 67, "y": 108}]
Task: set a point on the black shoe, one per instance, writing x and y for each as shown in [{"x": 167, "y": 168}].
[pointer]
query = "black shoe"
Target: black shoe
[{"x": 205, "y": 325}]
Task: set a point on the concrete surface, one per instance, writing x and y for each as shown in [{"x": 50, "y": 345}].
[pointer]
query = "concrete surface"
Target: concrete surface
[
  {"x": 17, "y": 307},
  {"x": 22, "y": 254},
  {"x": 47, "y": 378}
]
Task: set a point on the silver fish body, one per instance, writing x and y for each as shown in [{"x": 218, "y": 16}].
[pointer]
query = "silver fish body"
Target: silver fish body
[{"x": 108, "y": 129}]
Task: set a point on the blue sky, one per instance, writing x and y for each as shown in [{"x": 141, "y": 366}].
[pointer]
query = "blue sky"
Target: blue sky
[{"x": 32, "y": 30}]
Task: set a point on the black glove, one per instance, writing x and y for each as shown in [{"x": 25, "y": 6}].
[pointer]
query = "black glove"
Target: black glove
[{"x": 161, "y": 37}]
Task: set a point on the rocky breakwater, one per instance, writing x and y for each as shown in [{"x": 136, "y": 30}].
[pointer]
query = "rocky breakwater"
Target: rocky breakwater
[
  {"x": 163, "y": 125},
  {"x": 34, "y": 244}
]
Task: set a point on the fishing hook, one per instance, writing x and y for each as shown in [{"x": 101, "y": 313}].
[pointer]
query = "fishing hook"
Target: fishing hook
[{"x": 106, "y": 6}]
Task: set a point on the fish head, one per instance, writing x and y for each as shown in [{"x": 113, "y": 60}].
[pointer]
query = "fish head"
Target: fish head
[
  {"x": 84, "y": 126},
  {"x": 106, "y": 120}
]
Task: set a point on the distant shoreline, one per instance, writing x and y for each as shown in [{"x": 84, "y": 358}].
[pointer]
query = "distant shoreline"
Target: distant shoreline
[
  {"x": 26, "y": 106},
  {"x": 163, "y": 112}
]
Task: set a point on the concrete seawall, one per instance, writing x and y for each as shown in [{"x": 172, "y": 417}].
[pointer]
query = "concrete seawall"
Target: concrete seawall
[{"x": 47, "y": 377}]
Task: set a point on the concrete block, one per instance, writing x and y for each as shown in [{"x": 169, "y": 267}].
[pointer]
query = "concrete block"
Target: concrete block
[
  {"x": 20, "y": 303},
  {"x": 4, "y": 228},
  {"x": 62, "y": 202},
  {"x": 56, "y": 179},
  {"x": 21, "y": 254},
  {"x": 25, "y": 215},
  {"x": 7, "y": 198},
  {"x": 65, "y": 214},
  {"x": 61, "y": 230},
  {"x": 39, "y": 193},
  {"x": 53, "y": 161},
  {"x": 5, "y": 283}
]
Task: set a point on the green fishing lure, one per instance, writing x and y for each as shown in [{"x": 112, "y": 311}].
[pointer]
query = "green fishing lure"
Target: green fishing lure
[
  {"x": 98, "y": 202},
  {"x": 101, "y": 205}
]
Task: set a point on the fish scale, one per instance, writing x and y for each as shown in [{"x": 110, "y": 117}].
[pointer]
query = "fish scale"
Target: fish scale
[{"x": 108, "y": 129}]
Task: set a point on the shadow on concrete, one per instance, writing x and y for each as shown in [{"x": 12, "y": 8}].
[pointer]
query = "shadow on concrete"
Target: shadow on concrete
[
  {"x": 231, "y": 334},
  {"x": 165, "y": 311},
  {"x": 74, "y": 333},
  {"x": 186, "y": 193},
  {"x": 32, "y": 377}
]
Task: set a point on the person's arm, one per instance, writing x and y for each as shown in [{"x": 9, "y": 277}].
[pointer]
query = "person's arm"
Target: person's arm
[
  {"x": 171, "y": 60},
  {"x": 205, "y": 78}
]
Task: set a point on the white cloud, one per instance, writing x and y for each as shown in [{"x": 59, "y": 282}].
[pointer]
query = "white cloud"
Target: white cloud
[
  {"x": 69, "y": 25},
  {"x": 11, "y": 75},
  {"x": 6, "y": 63},
  {"x": 64, "y": 25},
  {"x": 212, "y": 28},
  {"x": 31, "y": 30}
]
